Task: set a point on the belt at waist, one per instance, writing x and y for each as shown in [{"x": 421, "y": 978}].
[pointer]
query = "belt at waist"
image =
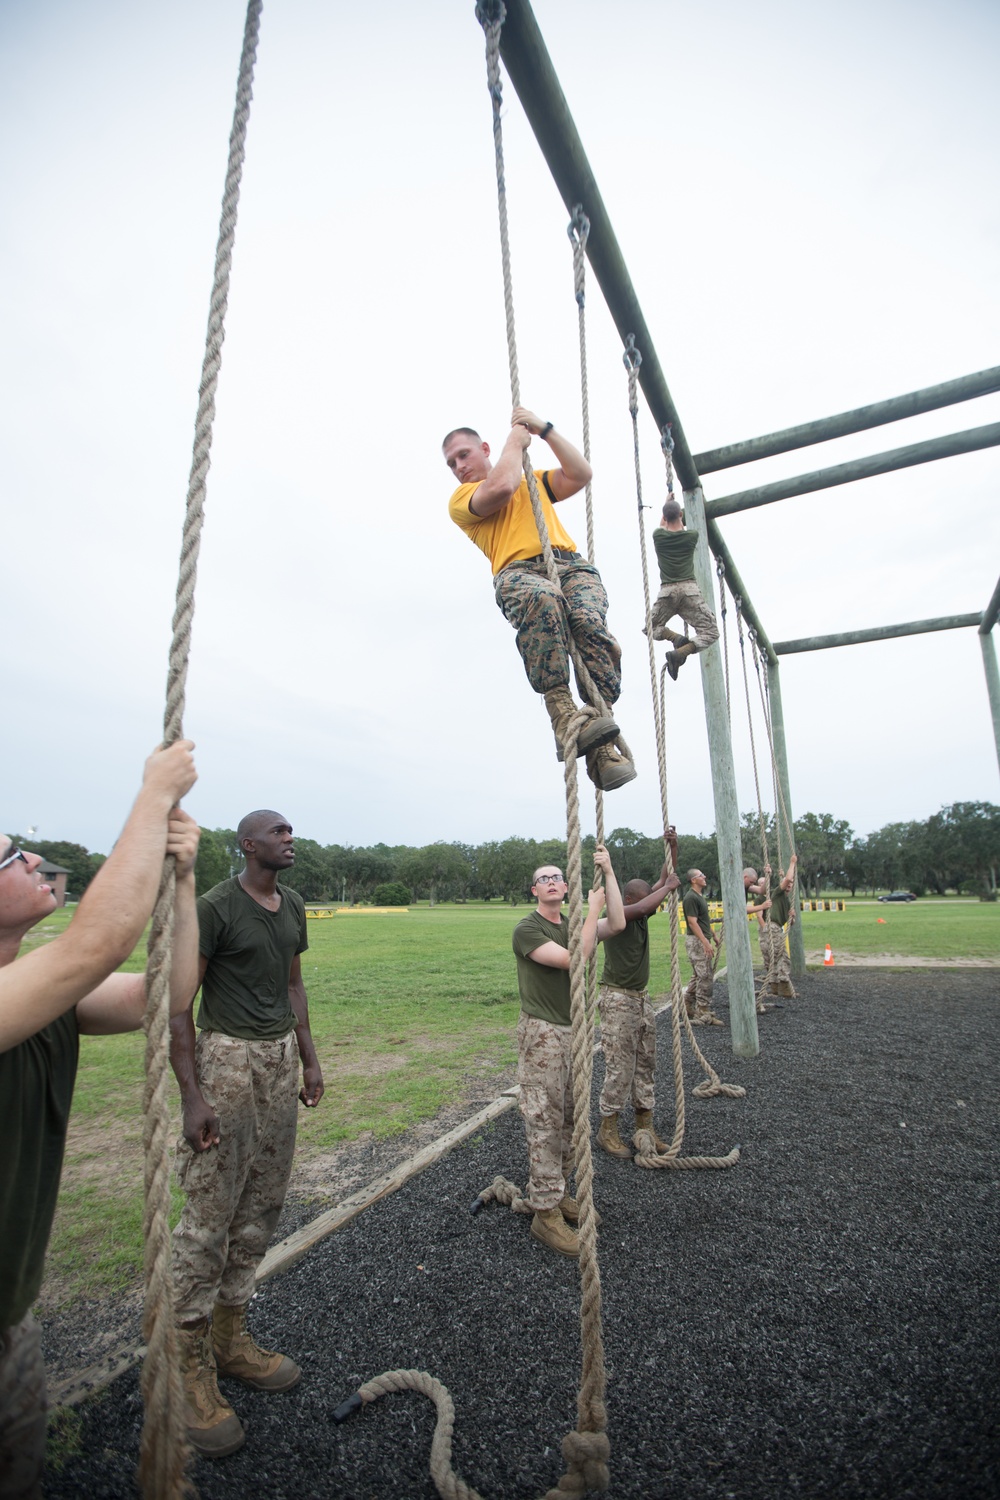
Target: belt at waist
[{"x": 560, "y": 553}]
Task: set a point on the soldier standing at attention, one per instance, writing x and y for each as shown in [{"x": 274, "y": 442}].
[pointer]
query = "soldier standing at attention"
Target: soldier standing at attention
[
  {"x": 239, "y": 1090},
  {"x": 544, "y": 1043}
]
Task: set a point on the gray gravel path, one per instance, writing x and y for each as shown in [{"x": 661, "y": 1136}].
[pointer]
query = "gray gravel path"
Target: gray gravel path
[{"x": 820, "y": 1321}]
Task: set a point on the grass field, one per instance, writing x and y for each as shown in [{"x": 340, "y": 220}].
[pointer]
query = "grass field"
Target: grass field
[{"x": 405, "y": 1009}]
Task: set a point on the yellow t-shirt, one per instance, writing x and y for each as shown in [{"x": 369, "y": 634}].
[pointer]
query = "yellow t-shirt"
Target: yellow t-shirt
[{"x": 510, "y": 534}]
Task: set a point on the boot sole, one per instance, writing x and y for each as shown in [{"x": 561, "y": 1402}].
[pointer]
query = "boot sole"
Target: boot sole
[
  {"x": 620, "y": 776},
  {"x": 260, "y": 1385},
  {"x": 592, "y": 736},
  {"x": 196, "y": 1438}
]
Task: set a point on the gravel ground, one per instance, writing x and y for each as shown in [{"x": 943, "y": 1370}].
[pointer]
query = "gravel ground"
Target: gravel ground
[{"x": 820, "y": 1320}]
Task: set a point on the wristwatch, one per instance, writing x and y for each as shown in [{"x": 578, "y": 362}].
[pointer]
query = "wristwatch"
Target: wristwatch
[{"x": 546, "y": 429}]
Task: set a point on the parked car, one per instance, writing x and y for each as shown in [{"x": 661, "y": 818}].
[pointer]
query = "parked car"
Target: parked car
[{"x": 898, "y": 896}]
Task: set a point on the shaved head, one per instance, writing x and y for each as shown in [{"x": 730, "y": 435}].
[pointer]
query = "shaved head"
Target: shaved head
[
  {"x": 251, "y": 825},
  {"x": 636, "y": 889}
]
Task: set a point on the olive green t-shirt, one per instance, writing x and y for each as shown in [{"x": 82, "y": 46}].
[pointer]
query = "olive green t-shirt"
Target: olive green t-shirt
[
  {"x": 544, "y": 991},
  {"x": 249, "y": 951},
  {"x": 626, "y": 956},
  {"x": 36, "y": 1090},
  {"x": 780, "y": 908},
  {"x": 675, "y": 553},
  {"x": 696, "y": 906}
]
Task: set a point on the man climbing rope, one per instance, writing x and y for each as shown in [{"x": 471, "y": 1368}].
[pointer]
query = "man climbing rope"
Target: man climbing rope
[
  {"x": 679, "y": 594},
  {"x": 492, "y": 506},
  {"x": 628, "y": 1025},
  {"x": 49, "y": 998},
  {"x": 545, "y": 1039},
  {"x": 701, "y": 946},
  {"x": 239, "y": 1091},
  {"x": 771, "y": 932}
]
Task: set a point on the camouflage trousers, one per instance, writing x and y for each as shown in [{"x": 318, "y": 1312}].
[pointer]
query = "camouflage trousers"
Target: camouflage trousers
[
  {"x": 233, "y": 1192},
  {"x": 698, "y": 995},
  {"x": 686, "y": 599},
  {"x": 23, "y": 1407},
  {"x": 774, "y": 954},
  {"x": 628, "y": 1037},
  {"x": 544, "y": 623},
  {"x": 545, "y": 1073}
]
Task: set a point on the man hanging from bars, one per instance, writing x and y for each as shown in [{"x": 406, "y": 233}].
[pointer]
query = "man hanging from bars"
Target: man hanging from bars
[
  {"x": 492, "y": 505},
  {"x": 679, "y": 593}
]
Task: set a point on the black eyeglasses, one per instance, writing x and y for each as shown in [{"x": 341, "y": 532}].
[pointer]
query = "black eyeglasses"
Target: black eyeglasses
[
  {"x": 12, "y": 853},
  {"x": 541, "y": 879}
]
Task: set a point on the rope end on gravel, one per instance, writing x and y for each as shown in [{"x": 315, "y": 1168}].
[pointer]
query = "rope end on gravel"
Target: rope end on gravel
[{"x": 347, "y": 1408}]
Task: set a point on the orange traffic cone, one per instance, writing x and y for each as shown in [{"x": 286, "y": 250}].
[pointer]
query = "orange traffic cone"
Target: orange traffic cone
[{"x": 828, "y": 960}]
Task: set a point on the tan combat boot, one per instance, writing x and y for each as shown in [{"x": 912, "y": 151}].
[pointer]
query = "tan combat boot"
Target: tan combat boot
[
  {"x": 213, "y": 1428},
  {"x": 644, "y": 1121},
  {"x": 597, "y": 731},
  {"x": 609, "y": 1139},
  {"x": 570, "y": 1210},
  {"x": 784, "y": 989},
  {"x": 238, "y": 1356},
  {"x": 609, "y": 770},
  {"x": 677, "y": 658},
  {"x": 551, "y": 1229}
]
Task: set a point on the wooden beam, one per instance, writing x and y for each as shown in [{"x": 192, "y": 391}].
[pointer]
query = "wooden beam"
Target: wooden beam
[
  {"x": 876, "y": 633},
  {"x": 966, "y": 388},
  {"x": 970, "y": 441},
  {"x": 292, "y": 1249}
]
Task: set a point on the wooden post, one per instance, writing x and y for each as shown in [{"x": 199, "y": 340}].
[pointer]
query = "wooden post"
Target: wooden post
[
  {"x": 992, "y": 684},
  {"x": 739, "y": 961},
  {"x": 796, "y": 943}
]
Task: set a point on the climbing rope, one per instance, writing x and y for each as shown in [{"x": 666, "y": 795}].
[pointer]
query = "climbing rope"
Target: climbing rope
[
  {"x": 578, "y": 230},
  {"x": 164, "y": 1452},
  {"x": 712, "y": 1084},
  {"x": 586, "y": 1450},
  {"x": 753, "y": 747}
]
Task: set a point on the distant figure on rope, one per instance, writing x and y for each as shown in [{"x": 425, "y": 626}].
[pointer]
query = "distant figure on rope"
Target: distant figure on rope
[
  {"x": 628, "y": 1025},
  {"x": 754, "y": 886},
  {"x": 771, "y": 932},
  {"x": 679, "y": 594},
  {"x": 544, "y": 1043},
  {"x": 240, "y": 1091},
  {"x": 492, "y": 506},
  {"x": 49, "y": 998},
  {"x": 701, "y": 945}
]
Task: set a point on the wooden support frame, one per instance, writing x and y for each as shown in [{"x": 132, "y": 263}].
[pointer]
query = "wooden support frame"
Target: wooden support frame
[{"x": 529, "y": 66}]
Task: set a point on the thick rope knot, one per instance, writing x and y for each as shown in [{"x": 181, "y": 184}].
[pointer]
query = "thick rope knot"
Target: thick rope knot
[
  {"x": 586, "y": 1455},
  {"x": 502, "y": 1190}
]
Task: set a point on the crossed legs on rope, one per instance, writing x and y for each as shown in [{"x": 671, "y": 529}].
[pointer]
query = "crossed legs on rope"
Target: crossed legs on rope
[
  {"x": 545, "y": 619},
  {"x": 684, "y": 599}
]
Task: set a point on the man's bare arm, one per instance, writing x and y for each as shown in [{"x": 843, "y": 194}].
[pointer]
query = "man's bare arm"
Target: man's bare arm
[
  {"x": 119, "y": 1004},
  {"x": 312, "y": 1088},
  {"x": 501, "y": 483},
  {"x": 574, "y": 471},
  {"x": 108, "y": 923}
]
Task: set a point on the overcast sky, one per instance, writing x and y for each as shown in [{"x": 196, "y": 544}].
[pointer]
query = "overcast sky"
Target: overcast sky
[{"x": 805, "y": 195}]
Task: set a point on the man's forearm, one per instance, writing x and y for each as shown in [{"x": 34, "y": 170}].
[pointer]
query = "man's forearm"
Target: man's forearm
[
  {"x": 184, "y": 964},
  {"x": 303, "y": 1031},
  {"x": 182, "y": 1055}
]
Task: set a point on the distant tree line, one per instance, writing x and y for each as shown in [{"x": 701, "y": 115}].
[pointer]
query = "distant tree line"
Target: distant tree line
[{"x": 957, "y": 849}]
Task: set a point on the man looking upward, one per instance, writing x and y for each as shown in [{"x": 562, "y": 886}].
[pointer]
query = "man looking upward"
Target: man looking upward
[
  {"x": 545, "y": 1042},
  {"x": 492, "y": 505},
  {"x": 701, "y": 946}
]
